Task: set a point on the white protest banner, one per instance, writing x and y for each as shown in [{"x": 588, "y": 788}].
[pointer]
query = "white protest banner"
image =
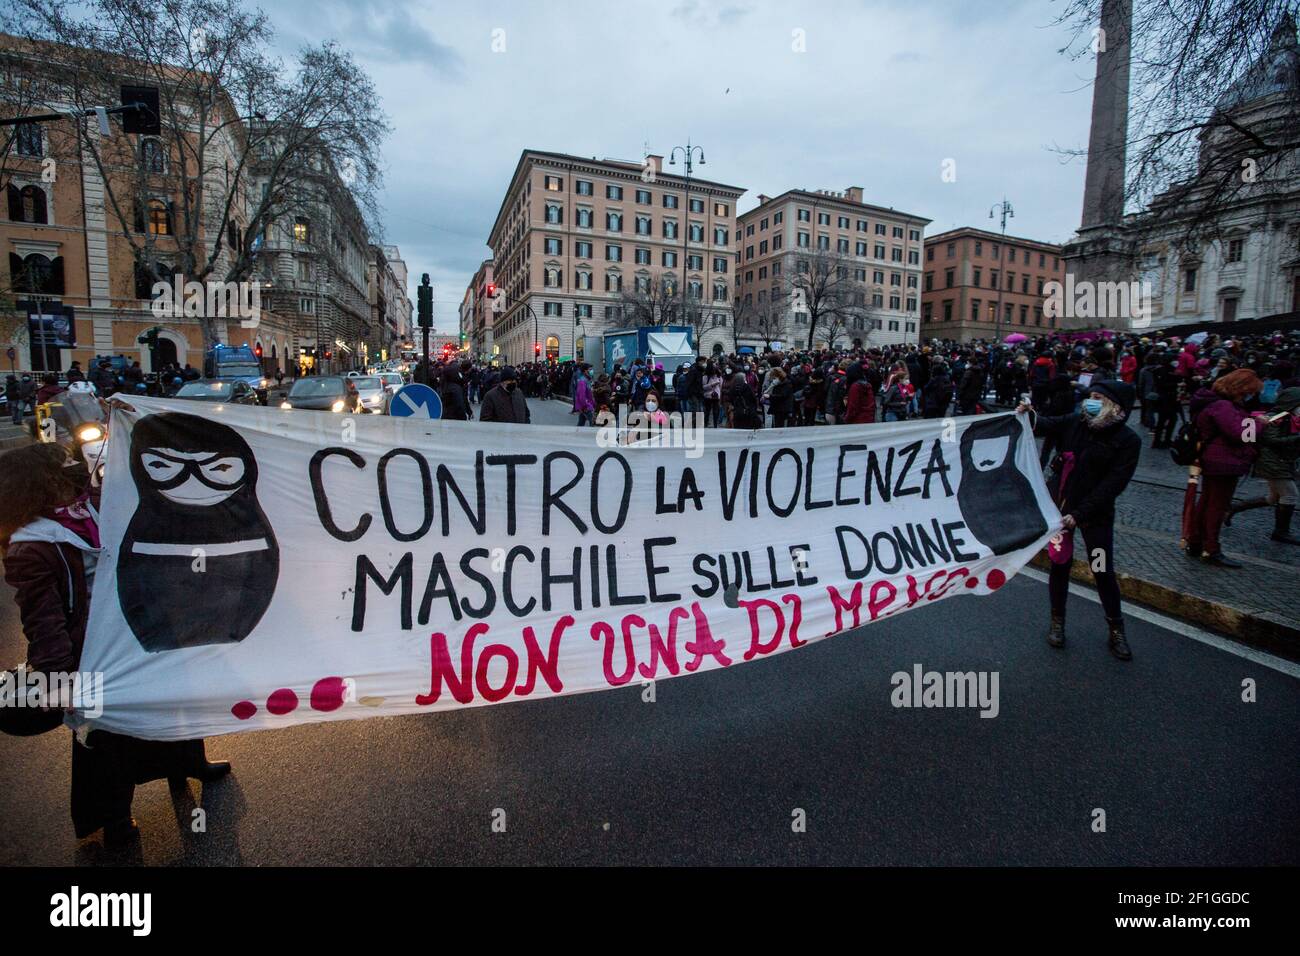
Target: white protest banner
[{"x": 263, "y": 568}]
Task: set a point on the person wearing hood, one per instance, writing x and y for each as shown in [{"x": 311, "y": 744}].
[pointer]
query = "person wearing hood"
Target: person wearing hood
[
  {"x": 937, "y": 394},
  {"x": 1227, "y": 452},
  {"x": 505, "y": 402},
  {"x": 1097, "y": 455},
  {"x": 860, "y": 406},
  {"x": 1279, "y": 447},
  {"x": 49, "y": 539},
  {"x": 454, "y": 405}
]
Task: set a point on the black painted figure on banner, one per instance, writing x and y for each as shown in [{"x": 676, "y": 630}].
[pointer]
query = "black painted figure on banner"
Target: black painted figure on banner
[
  {"x": 199, "y": 560},
  {"x": 996, "y": 498}
]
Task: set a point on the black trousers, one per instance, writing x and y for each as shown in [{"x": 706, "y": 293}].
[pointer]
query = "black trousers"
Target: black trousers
[
  {"x": 106, "y": 769},
  {"x": 1099, "y": 552}
]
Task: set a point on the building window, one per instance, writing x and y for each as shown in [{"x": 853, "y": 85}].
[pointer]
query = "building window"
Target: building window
[
  {"x": 613, "y": 192},
  {"x": 613, "y": 253},
  {"x": 614, "y": 221},
  {"x": 642, "y": 256},
  {"x": 670, "y": 228},
  {"x": 644, "y": 226},
  {"x": 152, "y": 157},
  {"x": 696, "y": 231},
  {"x": 36, "y": 274},
  {"x": 1189, "y": 280},
  {"x": 28, "y": 140},
  {"x": 721, "y": 209},
  {"x": 613, "y": 282},
  {"x": 582, "y": 249},
  {"x": 554, "y": 213},
  {"x": 27, "y": 204},
  {"x": 643, "y": 197},
  {"x": 554, "y": 184},
  {"x": 551, "y": 278},
  {"x": 583, "y": 187},
  {"x": 553, "y": 247},
  {"x": 697, "y": 205},
  {"x": 670, "y": 202},
  {"x": 1234, "y": 250},
  {"x": 160, "y": 218},
  {"x": 719, "y": 263},
  {"x": 551, "y": 310},
  {"x": 584, "y": 218},
  {"x": 719, "y": 236}
]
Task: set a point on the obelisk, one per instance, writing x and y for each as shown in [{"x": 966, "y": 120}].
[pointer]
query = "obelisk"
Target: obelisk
[{"x": 1100, "y": 250}]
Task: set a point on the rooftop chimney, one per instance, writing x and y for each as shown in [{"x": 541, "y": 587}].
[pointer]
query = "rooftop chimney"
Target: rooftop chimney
[
  {"x": 656, "y": 163},
  {"x": 854, "y": 193}
]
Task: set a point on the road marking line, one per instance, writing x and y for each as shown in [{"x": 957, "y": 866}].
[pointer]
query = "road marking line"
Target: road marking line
[{"x": 1279, "y": 664}]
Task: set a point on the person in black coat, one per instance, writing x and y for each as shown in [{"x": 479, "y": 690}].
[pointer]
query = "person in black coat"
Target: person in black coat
[
  {"x": 454, "y": 406},
  {"x": 1096, "y": 458}
]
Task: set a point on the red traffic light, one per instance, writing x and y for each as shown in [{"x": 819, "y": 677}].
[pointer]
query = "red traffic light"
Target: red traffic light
[
  {"x": 491, "y": 290},
  {"x": 537, "y": 349},
  {"x": 257, "y": 349}
]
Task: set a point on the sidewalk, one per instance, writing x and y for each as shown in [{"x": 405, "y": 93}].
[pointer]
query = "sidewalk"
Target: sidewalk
[{"x": 1258, "y": 604}]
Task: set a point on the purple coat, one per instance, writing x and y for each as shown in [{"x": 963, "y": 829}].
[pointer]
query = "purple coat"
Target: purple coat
[
  {"x": 583, "y": 401},
  {"x": 1220, "y": 424}
]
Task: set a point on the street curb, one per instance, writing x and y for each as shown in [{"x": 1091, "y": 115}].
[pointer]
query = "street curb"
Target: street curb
[{"x": 1261, "y": 630}]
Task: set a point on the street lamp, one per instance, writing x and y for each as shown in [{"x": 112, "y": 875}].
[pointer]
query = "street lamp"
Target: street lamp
[
  {"x": 688, "y": 153},
  {"x": 1007, "y": 213},
  {"x": 529, "y": 309}
]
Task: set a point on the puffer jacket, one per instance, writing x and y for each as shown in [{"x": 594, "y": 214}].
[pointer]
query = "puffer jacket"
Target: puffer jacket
[
  {"x": 1221, "y": 426},
  {"x": 1279, "y": 444},
  {"x": 46, "y": 566}
]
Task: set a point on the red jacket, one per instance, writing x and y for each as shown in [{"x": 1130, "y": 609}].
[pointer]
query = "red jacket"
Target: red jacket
[{"x": 861, "y": 409}]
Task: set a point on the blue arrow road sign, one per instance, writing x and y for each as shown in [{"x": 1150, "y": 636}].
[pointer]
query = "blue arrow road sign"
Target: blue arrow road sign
[{"x": 416, "y": 401}]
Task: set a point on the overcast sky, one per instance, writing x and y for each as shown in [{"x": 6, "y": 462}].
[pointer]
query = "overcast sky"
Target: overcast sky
[{"x": 884, "y": 92}]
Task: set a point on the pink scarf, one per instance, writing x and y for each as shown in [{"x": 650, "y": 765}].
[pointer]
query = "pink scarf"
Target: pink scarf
[{"x": 78, "y": 518}]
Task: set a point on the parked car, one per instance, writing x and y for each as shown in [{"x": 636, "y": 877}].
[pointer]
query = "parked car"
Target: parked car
[
  {"x": 326, "y": 393},
  {"x": 232, "y": 391},
  {"x": 374, "y": 397}
]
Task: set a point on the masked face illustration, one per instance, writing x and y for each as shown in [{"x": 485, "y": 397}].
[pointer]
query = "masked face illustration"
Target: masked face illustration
[
  {"x": 997, "y": 499},
  {"x": 199, "y": 560}
]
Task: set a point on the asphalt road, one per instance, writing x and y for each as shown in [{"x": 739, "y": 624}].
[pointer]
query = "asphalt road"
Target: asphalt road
[{"x": 712, "y": 771}]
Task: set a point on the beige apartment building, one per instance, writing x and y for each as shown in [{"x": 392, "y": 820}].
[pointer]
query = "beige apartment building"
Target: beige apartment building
[
  {"x": 68, "y": 246},
  {"x": 581, "y": 246},
  {"x": 476, "y": 315},
  {"x": 972, "y": 273},
  {"x": 870, "y": 256}
]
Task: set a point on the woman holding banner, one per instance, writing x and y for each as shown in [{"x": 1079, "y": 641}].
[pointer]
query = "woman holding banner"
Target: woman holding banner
[
  {"x": 49, "y": 538},
  {"x": 1097, "y": 454}
]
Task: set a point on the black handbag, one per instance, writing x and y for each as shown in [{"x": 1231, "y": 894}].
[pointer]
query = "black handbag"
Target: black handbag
[{"x": 20, "y": 716}]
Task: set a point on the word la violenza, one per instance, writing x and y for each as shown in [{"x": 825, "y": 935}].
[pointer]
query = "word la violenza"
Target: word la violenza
[{"x": 73, "y": 909}]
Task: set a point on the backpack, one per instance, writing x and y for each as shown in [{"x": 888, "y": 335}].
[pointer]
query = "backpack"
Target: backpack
[{"x": 1186, "y": 447}]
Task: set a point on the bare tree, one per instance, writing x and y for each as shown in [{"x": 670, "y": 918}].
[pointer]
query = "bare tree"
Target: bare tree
[
  {"x": 244, "y": 142},
  {"x": 822, "y": 287},
  {"x": 1199, "y": 140}
]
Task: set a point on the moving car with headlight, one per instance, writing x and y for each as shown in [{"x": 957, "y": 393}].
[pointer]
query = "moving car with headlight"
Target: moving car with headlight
[
  {"x": 393, "y": 381},
  {"x": 323, "y": 393},
  {"x": 374, "y": 397},
  {"x": 237, "y": 361},
  {"x": 229, "y": 391}
]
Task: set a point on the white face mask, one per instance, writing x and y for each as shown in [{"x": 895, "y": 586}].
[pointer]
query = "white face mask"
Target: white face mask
[{"x": 651, "y": 406}]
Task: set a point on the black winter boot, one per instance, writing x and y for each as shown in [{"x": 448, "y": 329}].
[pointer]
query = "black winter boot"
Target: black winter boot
[
  {"x": 1118, "y": 643},
  {"x": 1056, "y": 631},
  {"x": 1244, "y": 506},
  {"x": 1282, "y": 525}
]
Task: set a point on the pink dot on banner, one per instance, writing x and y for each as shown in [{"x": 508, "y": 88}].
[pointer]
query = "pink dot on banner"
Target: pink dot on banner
[
  {"x": 244, "y": 709},
  {"x": 282, "y": 701},
  {"x": 996, "y": 579},
  {"x": 972, "y": 582},
  {"x": 327, "y": 694}
]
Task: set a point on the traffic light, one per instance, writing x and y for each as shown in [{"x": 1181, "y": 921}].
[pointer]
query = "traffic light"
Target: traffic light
[
  {"x": 425, "y": 301},
  {"x": 537, "y": 348},
  {"x": 257, "y": 349},
  {"x": 491, "y": 290}
]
